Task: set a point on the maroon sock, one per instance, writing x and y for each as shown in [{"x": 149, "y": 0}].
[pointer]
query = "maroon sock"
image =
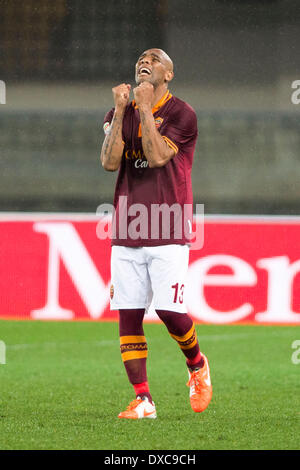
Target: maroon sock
[
  {"x": 181, "y": 328},
  {"x": 133, "y": 347}
]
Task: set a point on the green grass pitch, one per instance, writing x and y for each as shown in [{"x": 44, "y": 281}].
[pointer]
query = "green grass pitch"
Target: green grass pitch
[{"x": 64, "y": 384}]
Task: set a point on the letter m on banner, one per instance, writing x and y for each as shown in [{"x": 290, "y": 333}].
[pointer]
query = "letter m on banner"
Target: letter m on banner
[{"x": 66, "y": 245}]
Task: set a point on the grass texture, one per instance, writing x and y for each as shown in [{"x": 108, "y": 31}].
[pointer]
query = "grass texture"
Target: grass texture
[{"x": 64, "y": 384}]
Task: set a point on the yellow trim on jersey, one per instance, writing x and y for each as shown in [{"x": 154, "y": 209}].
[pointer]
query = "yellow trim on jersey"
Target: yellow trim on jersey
[
  {"x": 167, "y": 96},
  {"x": 162, "y": 101},
  {"x": 170, "y": 143}
]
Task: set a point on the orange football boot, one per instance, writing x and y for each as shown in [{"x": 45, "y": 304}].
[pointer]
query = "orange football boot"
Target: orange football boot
[
  {"x": 200, "y": 387},
  {"x": 139, "y": 408}
]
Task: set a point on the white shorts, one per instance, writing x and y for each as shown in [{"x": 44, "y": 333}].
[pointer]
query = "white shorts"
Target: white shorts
[{"x": 143, "y": 275}]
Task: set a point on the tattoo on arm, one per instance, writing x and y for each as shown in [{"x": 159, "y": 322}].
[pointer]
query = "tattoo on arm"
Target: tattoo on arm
[
  {"x": 153, "y": 144},
  {"x": 146, "y": 136},
  {"x": 111, "y": 137},
  {"x": 111, "y": 155}
]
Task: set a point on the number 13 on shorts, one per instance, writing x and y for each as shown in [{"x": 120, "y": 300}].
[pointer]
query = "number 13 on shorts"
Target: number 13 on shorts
[{"x": 178, "y": 293}]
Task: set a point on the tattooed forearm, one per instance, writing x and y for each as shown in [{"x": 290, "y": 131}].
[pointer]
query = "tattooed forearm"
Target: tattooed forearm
[
  {"x": 112, "y": 149},
  {"x": 157, "y": 152}
]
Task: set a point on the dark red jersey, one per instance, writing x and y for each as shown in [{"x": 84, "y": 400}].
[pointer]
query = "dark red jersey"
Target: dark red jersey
[{"x": 144, "y": 195}]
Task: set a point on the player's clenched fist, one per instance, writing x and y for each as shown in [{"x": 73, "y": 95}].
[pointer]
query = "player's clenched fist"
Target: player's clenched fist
[
  {"x": 121, "y": 95},
  {"x": 144, "y": 94}
]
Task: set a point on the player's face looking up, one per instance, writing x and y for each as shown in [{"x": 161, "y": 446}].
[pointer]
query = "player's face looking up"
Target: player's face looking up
[{"x": 154, "y": 66}]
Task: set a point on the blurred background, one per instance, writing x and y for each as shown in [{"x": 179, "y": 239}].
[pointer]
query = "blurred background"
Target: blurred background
[{"x": 235, "y": 62}]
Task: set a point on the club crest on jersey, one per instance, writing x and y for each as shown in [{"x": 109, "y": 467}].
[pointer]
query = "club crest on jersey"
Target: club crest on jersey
[
  {"x": 106, "y": 128},
  {"x": 111, "y": 291},
  {"x": 158, "y": 122}
]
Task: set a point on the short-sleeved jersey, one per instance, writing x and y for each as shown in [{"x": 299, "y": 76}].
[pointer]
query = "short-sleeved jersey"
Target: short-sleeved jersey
[{"x": 144, "y": 195}]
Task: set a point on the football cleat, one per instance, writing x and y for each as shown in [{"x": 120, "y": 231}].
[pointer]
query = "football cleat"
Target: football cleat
[
  {"x": 139, "y": 408},
  {"x": 200, "y": 387}
]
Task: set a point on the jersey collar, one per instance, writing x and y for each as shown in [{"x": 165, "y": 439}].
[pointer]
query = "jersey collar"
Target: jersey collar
[{"x": 158, "y": 105}]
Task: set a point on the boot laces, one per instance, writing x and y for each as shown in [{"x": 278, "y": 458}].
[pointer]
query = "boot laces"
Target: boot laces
[
  {"x": 195, "y": 381},
  {"x": 133, "y": 404}
]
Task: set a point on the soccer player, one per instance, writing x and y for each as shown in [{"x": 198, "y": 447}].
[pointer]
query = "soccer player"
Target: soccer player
[{"x": 151, "y": 141}]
